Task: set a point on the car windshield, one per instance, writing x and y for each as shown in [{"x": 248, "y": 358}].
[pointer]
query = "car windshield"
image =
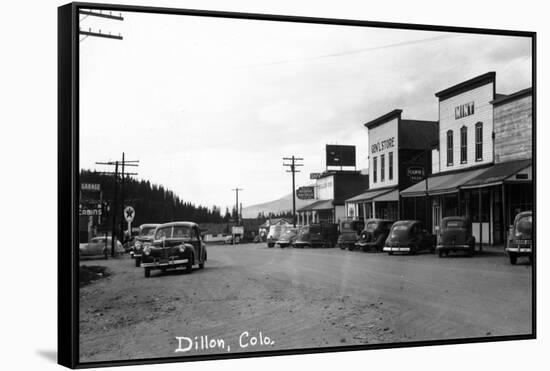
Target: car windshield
[
  {"x": 525, "y": 224},
  {"x": 163, "y": 233},
  {"x": 147, "y": 231},
  {"x": 456, "y": 224},
  {"x": 371, "y": 227},
  {"x": 346, "y": 225}
]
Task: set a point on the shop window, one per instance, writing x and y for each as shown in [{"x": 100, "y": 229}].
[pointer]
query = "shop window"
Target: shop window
[
  {"x": 463, "y": 145},
  {"x": 450, "y": 148},
  {"x": 479, "y": 141},
  {"x": 390, "y": 166},
  {"x": 382, "y": 167},
  {"x": 374, "y": 169}
]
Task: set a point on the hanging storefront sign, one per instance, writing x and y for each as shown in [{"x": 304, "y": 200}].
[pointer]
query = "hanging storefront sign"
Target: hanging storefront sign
[
  {"x": 415, "y": 173},
  {"x": 305, "y": 193},
  {"x": 90, "y": 187}
]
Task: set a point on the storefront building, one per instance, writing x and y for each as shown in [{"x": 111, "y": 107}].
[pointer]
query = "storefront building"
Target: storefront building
[
  {"x": 332, "y": 188},
  {"x": 399, "y": 156},
  {"x": 484, "y": 153}
]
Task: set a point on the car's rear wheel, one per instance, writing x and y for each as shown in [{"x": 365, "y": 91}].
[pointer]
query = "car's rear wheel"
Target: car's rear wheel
[
  {"x": 513, "y": 259},
  {"x": 147, "y": 272},
  {"x": 351, "y": 247}
]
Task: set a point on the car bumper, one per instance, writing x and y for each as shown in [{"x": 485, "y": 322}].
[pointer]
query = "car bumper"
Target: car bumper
[
  {"x": 161, "y": 264},
  {"x": 520, "y": 249},
  {"x": 396, "y": 249}
]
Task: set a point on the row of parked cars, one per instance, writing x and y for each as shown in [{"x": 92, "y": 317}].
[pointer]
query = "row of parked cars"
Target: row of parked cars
[{"x": 403, "y": 236}]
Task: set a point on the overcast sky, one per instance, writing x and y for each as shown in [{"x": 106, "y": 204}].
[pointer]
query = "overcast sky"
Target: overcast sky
[{"x": 208, "y": 104}]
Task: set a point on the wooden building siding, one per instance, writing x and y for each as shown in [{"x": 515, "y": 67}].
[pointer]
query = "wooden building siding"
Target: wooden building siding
[
  {"x": 483, "y": 112},
  {"x": 514, "y": 130}
]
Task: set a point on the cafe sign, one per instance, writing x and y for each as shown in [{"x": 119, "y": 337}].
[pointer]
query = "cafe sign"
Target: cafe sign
[{"x": 415, "y": 173}]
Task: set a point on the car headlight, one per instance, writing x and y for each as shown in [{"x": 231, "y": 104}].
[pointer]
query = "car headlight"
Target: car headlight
[
  {"x": 182, "y": 248},
  {"x": 138, "y": 245},
  {"x": 147, "y": 250}
]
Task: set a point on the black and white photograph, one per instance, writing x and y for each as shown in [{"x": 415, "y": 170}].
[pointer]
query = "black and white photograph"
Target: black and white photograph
[{"x": 255, "y": 186}]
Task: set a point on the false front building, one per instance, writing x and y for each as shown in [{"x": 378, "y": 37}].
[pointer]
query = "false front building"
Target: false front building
[
  {"x": 332, "y": 188},
  {"x": 482, "y": 165},
  {"x": 399, "y": 156}
]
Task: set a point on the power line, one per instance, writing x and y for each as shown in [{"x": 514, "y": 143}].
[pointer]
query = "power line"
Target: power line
[
  {"x": 357, "y": 51},
  {"x": 293, "y": 164}
]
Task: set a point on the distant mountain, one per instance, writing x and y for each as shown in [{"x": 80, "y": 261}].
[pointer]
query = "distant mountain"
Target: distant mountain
[{"x": 283, "y": 204}]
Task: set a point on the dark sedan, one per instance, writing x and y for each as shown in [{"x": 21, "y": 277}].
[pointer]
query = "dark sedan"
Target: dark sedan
[
  {"x": 287, "y": 238},
  {"x": 349, "y": 231},
  {"x": 520, "y": 237},
  {"x": 177, "y": 244},
  {"x": 144, "y": 238},
  {"x": 455, "y": 235},
  {"x": 373, "y": 237},
  {"x": 409, "y": 236}
]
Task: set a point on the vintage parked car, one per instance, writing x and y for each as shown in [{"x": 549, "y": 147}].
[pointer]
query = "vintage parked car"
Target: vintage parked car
[
  {"x": 144, "y": 238},
  {"x": 317, "y": 235},
  {"x": 275, "y": 232},
  {"x": 287, "y": 238},
  {"x": 349, "y": 233},
  {"x": 409, "y": 236},
  {"x": 455, "y": 235},
  {"x": 100, "y": 246},
  {"x": 374, "y": 235},
  {"x": 520, "y": 237},
  {"x": 176, "y": 244}
]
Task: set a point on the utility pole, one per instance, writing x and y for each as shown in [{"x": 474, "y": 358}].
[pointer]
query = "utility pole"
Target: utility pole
[
  {"x": 237, "y": 202},
  {"x": 114, "y": 207},
  {"x": 99, "y": 14},
  {"x": 293, "y": 164}
]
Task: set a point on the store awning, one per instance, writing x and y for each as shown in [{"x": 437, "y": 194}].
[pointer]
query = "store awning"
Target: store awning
[
  {"x": 390, "y": 196},
  {"x": 441, "y": 184},
  {"x": 371, "y": 195},
  {"x": 497, "y": 174},
  {"x": 318, "y": 205}
]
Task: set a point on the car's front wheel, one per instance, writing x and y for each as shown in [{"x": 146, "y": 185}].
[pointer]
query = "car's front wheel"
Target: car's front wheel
[
  {"x": 189, "y": 265},
  {"x": 440, "y": 253},
  {"x": 147, "y": 272},
  {"x": 513, "y": 259},
  {"x": 138, "y": 261}
]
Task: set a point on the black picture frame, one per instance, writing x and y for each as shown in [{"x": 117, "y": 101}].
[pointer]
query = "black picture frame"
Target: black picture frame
[{"x": 68, "y": 182}]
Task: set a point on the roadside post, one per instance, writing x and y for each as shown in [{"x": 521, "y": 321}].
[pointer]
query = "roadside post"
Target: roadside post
[{"x": 129, "y": 214}]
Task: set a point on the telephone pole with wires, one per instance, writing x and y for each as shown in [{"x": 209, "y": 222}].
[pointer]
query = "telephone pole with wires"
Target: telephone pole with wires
[
  {"x": 114, "y": 208},
  {"x": 293, "y": 164},
  {"x": 237, "y": 202},
  {"x": 98, "y": 33}
]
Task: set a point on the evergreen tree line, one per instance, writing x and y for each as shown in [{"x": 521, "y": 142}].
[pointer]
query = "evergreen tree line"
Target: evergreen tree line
[{"x": 153, "y": 203}]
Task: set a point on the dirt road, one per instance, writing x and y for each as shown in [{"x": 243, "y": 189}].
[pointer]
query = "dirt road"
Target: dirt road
[{"x": 299, "y": 298}]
